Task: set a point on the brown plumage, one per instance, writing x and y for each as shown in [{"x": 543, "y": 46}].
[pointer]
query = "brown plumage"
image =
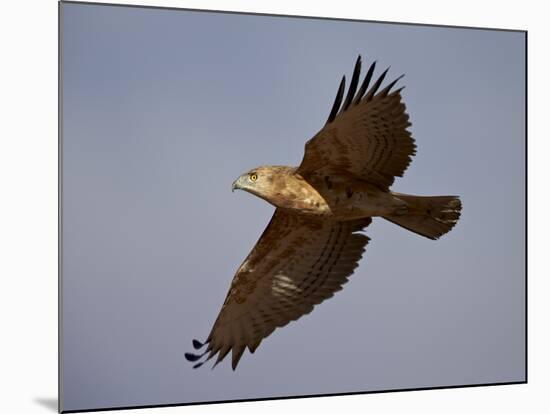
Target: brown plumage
[{"x": 312, "y": 243}]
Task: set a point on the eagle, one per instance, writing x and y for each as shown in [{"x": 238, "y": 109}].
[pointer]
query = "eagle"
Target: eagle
[{"x": 314, "y": 241}]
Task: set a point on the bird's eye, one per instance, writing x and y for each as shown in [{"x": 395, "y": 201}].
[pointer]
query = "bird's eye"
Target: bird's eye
[{"x": 253, "y": 177}]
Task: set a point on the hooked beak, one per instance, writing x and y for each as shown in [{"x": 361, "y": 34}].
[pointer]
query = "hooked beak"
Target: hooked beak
[{"x": 235, "y": 185}]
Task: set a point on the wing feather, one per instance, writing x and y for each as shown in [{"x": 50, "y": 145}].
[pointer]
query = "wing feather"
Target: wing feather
[
  {"x": 353, "y": 84},
  {"x": 365, "y": 84},
  {"x": 368, "y": 140},
  {"x": 296, "y": 264}
]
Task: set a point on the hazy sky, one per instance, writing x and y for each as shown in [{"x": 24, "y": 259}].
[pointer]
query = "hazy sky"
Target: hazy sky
[{"x": 163, "y": 109}]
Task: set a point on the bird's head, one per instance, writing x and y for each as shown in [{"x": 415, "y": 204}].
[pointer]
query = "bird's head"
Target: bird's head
[{"x": 267, "y": 182}]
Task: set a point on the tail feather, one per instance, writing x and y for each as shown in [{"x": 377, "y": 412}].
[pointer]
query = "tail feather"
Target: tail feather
[{"x": 430, "y": 217}]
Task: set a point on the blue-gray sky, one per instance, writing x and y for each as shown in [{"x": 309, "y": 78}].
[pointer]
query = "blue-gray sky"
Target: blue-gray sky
[{"x": 162, "y": 109}]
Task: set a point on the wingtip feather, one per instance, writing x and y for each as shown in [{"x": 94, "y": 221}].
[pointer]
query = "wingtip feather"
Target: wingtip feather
[{"x": 337, "y": 100}]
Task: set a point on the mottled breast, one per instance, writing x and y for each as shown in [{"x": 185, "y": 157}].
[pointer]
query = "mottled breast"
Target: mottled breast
[{"x": 293, "y": 192}]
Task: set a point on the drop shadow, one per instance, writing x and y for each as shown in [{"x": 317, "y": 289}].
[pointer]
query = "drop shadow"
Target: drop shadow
[{"x": 49, "y": 403}]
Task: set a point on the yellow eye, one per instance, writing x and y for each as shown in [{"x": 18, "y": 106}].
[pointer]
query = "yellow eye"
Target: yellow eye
[{"x": 253, "y": 177}]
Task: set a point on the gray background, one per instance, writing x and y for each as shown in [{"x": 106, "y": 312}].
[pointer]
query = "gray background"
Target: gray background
[{"x": 162, "y": 109}]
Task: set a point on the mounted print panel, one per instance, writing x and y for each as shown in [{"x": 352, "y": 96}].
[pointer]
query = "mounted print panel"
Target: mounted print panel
[{"x": 256, "y": 207}]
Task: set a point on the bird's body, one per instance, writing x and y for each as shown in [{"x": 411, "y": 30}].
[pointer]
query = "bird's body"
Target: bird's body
[
  {"x": 313, "y": 241},
  {"x": 336, "y": 196}
]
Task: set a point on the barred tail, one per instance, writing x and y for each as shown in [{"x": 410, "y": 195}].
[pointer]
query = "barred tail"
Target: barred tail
[{"x": 430, "y": 217}]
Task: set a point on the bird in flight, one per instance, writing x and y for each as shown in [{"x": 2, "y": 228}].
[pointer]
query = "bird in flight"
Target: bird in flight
[{"x": 313, "y": 242}]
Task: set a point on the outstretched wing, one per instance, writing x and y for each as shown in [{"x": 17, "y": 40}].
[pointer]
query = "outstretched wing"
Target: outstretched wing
[
  {"x": 365, "y": 136},
  {"x": 296, "y": 264}
]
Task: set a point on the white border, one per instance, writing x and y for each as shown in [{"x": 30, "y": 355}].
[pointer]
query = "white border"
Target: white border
[{"x": 28, "y": 210}]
